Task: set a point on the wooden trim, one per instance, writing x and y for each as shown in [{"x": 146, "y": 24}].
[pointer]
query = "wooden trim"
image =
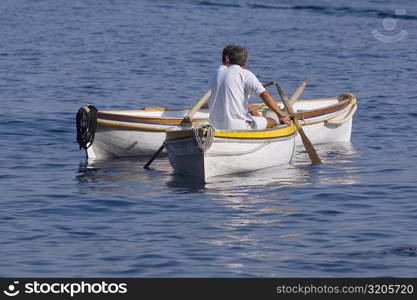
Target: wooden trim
[
  {"x": 133, "y": 126},
  {"x": 156, "y": 120},
  {"x": 322, "y": 111}
]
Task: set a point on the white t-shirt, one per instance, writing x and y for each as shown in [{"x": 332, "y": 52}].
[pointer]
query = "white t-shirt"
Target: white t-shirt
[{"x": 231, "y": 87}]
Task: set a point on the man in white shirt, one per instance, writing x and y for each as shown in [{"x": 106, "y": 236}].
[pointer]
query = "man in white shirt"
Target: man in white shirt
[{"x": 231, "y": 87}]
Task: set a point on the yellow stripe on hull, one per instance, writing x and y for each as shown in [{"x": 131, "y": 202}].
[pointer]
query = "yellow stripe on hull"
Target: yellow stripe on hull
[
  {"x": 257, "y": 134},
  {"x": 241, "y": 134}
]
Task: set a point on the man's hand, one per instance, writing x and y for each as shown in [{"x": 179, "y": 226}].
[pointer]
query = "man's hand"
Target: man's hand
[
  {"x": 254, "y": 112},
  {"x": 272, "y": 104},
  {"x": 284, "y": 118}
]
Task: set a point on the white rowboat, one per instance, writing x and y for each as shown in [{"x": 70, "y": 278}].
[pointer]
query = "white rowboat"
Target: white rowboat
[{"x": 122, "y": 133}]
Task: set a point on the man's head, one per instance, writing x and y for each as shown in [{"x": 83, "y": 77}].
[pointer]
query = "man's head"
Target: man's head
[{"x": 235, "y": 55}]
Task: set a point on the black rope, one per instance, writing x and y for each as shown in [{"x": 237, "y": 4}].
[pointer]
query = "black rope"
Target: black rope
[{"x": 86, "y": 126}]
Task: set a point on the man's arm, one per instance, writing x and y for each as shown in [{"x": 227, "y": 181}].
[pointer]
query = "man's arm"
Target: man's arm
[{"x": 272, "y": 104}]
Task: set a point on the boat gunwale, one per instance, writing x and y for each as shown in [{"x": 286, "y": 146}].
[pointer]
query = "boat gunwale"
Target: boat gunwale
[
  {"x": 222, "y": 140},
  {"x": 170, "y": 120}
]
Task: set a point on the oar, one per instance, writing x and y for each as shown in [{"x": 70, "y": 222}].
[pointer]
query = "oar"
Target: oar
[
  {"x": 266, "y": 84},
  {"x": 195, "y": 108},
  {"x": 315, "y": 159},
  {"x": 185, "y": 121},
  {"x": 298, "y": 92}
]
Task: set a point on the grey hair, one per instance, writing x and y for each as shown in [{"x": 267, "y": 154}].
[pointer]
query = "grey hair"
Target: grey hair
[{"x": 238, "y": 55}]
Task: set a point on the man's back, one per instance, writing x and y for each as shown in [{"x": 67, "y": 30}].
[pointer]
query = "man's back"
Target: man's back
[{"x": 231, "y": 88}]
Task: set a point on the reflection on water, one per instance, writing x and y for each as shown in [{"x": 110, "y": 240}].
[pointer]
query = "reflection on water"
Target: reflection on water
[
  {"x": 339, "y": 164},
  {"x": 279, "y": 176},
  {"x": 121, "y": 170},
  {"x": 122, "y": 175},
  {"x": 340, "y": 168},
  {"x": 336, "y": 169},
  {"x": 185, "y": 184},
  {"x": 329, "y": 153}
]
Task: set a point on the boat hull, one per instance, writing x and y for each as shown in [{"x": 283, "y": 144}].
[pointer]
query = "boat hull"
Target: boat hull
[
  {"x": 115, "y": 142},
  {"x": 324, "y": 133},
  {"x": 229, "y": 154}
]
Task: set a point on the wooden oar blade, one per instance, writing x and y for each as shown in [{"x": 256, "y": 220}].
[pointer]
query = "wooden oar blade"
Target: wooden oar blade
[
  {"x": 298, "y": 92},
  {"x": 314, "y": 157},
  {"x": 312, "y": 153}
]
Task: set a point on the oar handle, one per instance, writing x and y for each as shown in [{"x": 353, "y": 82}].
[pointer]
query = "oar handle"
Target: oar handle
[
  {"x": 266, "y": 84},
  {"x": 285, "y": 100},
  {"x": 196, "y": 107}
]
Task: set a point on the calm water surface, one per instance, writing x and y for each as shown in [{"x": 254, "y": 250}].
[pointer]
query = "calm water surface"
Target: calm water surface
[{"x": 355, "y": 215}]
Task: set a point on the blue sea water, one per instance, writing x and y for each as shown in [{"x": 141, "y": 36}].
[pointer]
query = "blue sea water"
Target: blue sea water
[{"x": 355, "y": 215}]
